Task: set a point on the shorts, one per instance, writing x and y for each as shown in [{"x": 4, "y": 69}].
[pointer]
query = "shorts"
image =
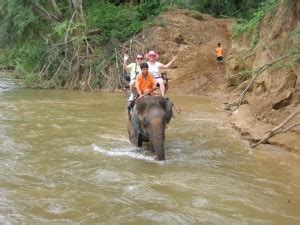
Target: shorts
[{"x": 220, "y": 59}]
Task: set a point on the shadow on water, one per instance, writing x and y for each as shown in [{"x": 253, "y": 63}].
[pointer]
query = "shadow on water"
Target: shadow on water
[{"x": 65, "y": 158}]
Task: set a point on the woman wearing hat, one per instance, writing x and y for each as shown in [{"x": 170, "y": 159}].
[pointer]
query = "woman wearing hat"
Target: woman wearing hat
[{"x": 155, "y": 66}]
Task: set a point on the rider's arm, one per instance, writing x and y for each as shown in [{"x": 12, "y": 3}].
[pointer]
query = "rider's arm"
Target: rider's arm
[
  {"x": 138, "y": 86},
  {"x": 165, "y": 66},
  {"x": 125, "y": 66},
  {"x": 154, "y": 82}
]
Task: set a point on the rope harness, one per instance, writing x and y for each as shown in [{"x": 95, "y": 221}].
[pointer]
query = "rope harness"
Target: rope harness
[{"x": 135, "y": 122}]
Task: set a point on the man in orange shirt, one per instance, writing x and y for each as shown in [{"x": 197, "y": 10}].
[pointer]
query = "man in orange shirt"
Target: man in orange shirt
[
  {"x": 220, "y": 55},
  {"x": 145, "y": 82}
]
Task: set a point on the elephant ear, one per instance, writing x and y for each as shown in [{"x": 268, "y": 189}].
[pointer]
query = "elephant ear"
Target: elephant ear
[
  {"x": 141, "y": 107},
  {"x": 169, "y": 111},
  {"x": 163, "y": 103}
]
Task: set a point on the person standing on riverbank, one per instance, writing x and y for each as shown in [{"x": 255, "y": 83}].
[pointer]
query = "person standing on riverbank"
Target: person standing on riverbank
[
  {"x": 133, "y": 69},
  {"x": 220, "y": 56}
]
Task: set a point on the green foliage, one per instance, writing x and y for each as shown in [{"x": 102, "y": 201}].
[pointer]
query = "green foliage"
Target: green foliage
[
  {"x": 30, "y": 36},
  {"x": 61, "y": 28},
  {"x": 244, "y": 75},
  {"x": 30, "y": 79},
  {"x": 115, "y": 21},
  {"x": 150, "y": 8},
  {"x": 26, "y": 55},
  {"x": 249, "y": 26},
  {"x": 232, "y": 8},
  {"x": 16, "y": 21},
  {"x": 217, "y": 7},
  {"x": 254, "y": 39},
  {"x": 3, "y": 60}
]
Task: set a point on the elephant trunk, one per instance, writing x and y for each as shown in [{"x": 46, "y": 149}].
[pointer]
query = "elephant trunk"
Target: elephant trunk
[{"x": 157, "y": 139}]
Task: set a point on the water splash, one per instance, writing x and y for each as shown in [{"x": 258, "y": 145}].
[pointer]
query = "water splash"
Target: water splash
[{"x": 132, "y": 153}]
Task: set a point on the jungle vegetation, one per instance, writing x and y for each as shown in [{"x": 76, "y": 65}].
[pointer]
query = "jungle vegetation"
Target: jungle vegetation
[{"x": 72, "y": 43}]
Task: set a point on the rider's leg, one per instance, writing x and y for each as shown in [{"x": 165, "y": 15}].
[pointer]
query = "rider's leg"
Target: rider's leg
[
  {"x": 131, "y": 88},
  {"x": 161, "y": 86}
]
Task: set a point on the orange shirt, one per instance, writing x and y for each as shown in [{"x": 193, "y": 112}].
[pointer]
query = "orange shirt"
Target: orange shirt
[
  {"x": 219, "y": 51},
  {"x": 143, "y": 84}
]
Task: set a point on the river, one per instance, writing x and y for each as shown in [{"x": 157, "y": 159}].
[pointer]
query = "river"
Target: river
[{"x": 65, "y": 158}]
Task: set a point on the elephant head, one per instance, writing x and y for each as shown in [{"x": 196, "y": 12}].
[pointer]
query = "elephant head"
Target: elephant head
[{"x": 147, "y": 122}]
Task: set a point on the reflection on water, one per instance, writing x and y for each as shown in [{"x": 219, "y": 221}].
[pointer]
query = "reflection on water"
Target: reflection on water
[{"x": 65, "y": 158}]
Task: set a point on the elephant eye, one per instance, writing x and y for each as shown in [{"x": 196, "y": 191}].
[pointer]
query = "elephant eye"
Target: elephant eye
[{"x": 145, "y": 121}]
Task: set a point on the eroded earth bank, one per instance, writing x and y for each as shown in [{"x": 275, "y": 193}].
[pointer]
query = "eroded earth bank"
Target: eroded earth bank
[{"x": 272, "y": 97}]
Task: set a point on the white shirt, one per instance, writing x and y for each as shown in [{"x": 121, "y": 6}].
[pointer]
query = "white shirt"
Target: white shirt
[
  {"x": 134, "y": 70},
  {"x": 154, "y": 69}
]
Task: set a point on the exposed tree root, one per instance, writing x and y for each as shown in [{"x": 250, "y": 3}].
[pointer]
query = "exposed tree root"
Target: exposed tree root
[
  {"x": 259, "y": 71},
  {"x": 279, "y": 129}
]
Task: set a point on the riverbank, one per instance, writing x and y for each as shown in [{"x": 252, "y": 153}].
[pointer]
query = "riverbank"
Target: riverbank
[{"x": 271, "y": 99}]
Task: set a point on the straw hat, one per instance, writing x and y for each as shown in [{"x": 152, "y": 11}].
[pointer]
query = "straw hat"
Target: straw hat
[{"x": 150, "y": 53}]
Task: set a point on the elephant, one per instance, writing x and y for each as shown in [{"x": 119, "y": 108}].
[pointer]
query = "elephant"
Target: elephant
[{"x": 147, "y": 121}]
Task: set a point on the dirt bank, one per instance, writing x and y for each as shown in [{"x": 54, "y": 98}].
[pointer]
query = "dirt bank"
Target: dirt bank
[{"x": 275, "y": 95}]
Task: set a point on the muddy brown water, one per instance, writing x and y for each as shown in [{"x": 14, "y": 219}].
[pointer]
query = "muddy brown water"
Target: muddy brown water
[{"x": 65, "y": 158}]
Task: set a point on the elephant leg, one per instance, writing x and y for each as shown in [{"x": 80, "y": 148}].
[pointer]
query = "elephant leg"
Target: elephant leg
[
  {"x": 169, "y": 111},
  {"x": 140, "y": 140},
  {"x": 152, "y": 148}
]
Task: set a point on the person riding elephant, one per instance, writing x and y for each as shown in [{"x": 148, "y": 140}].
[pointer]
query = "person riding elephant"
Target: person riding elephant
[
  {"x": 147, "y": 122},
  {"x": 134, "y": 69},
  {"x": 155, "y": 67},
  {"x": 145, "y": 82}
]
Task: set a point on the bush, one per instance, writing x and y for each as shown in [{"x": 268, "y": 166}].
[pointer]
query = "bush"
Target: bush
[
  {"x": 249, "y": 26},
  {"x": 26, "y": 55},
  {"x": 150, "y": 9},
  {"x": 115, "y": 21}
]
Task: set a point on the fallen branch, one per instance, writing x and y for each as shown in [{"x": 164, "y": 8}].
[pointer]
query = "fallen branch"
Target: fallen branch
[
  {"x": 238, "y": 74},
  {"x": 260, "y": 71},
  {"x": 57, "y": 9},
  {"x": 93, "y": 31},
  {"x": 67, "y": 31},
  {"x": 44, "y": 13},
  {"x": 278, "y": 130}
]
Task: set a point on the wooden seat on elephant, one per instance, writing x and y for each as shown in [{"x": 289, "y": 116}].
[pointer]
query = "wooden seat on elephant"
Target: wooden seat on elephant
[{"x": 164, "y": 76}]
